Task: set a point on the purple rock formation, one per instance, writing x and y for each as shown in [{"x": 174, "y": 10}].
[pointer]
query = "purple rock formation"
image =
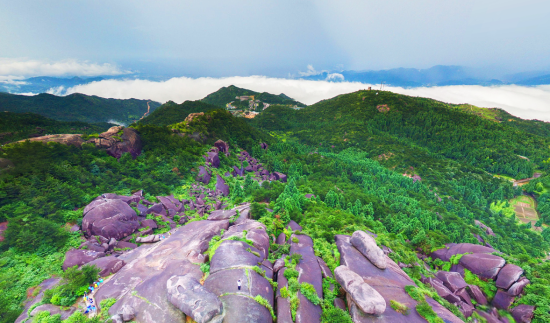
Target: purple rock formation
[
  {"x": 453, "y": 281},
  {"x": 477, "y": 294},
  {"x": 222, "y": 186},
  {"x": 213, "y": 159},
  {"x": 76, "y": 257},
  {"x": 484, "y": 265},
  {"x": 108, "y": 265},
  {"x": 523, "y": 313},
  {"x": 110, "y": 219},
  {"x": 502, "y": 300},
  {"x": 203, "y": 176},
  {"x": 461, "y": 248},
  {"x": 508, "y": 275},
  {"x": 517, "y": 288}
]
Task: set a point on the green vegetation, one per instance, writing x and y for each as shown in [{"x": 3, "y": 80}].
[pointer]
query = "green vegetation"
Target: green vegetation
[
  {"x": 171, "y": 112},
  {"x": 265, "y": 302},
  {"x": 77, "y": 107},
  {"x": 400, "y": 308},
  {"x": 74, "y": 284},
  {"x": 227, "y": 94}
]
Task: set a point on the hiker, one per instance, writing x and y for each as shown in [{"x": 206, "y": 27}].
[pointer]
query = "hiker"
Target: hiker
[
  {"x": 101, "y": 280},
  {"x": 239, "y": 284}
]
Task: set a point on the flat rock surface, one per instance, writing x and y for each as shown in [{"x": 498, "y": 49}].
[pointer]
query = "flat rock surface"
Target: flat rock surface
[
  {"x": 45, "y": 285},
  {"x": 108, "y": 265},
  {"x": 243, "y": 309},
  {"x": 484, "y": 265},
  {"x": 142, "y": 282}
]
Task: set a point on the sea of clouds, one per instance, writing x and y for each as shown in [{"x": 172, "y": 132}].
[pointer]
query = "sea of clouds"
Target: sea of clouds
[{"x": 521, "y": 101}]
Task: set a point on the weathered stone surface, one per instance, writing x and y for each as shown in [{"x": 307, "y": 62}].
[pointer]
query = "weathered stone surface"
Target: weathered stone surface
[
  {"x": 170, "y": 203},
  {"x": 294, "y": 226},
  {"x": 252, "y": 284},
  {"x": 189, "y": 296},
  {"x": 338, "y": 302},
  {"x": 116, "y": 318},
  {"x": 107, "y": 265},
  {"x": 464, "y": 296},
  {"x": 508, "y": 275},
  {"x": 142, "y": 282},
  {"x": 310, "y": 272},
  {"x": 222, "y": 186},
  {"x": 465, "y": 308},
  {"x": 54, "y": 310},
  {"x": 92, "y": 245},
  {"x": 222, "y": 147},
  {"x": 65, "y": 139},
  {"x": 453, "y": 281},
  {"x": 76, "y": 257},
  {"x": 157, "y": 208},
  {"x": 203, "y": 176},
  {"x": 484, "y": 265},
  {"x": 222, "y": 215},
  {"x": 242, "y": 309},
  {"x": 487, "y": 229},
  {"x": 389, "y": 282},
  {"x": 231, "y": 254},
  {"x": 517, "y": 288},
  {"x": 280, "y": 177},
  {"x": 213, "y": 159},
  {"x": 45, "y": 285},
  {"x": 488, "y": 317},
  {"x": 324, "y": 268},
  {"x": 281, "y": 239},
  {"x": 149, "y": 239},
  {"x": 367, "y": 246},
  {"x": 460, "y": 248},
  {"x": 128, "y": 313},
  {"x": 502, "y": 300},
  {"x": 283, "y": 310},
  {"x": 441, "y": 289},
  {"x": 279, "y": 263},
  {"x": 110, "y": 218},
  {"x": 523, "y": 313},
  {"x": 362, "y": 294},
  {"x": 477, "y": 294}
]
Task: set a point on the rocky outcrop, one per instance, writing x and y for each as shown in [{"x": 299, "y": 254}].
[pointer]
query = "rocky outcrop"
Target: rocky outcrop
[
  {"x": 222, "y": 147},
  {"x": 189, "y": 296},
  {"x": 309, "y": 272},
  {"x": 484, "y": 265},
  {"x": 65, "y": 139},
  {"x": 517, "y": 288},
  {"x": 142, "y": 282},
  {"x": 119, "y": 140},
  {"x": 364, "y": 296},
  {"x": 45, "y": 285},
  {"x": 203, "y": 176},
  {"x": 453, "y": 281},
  {"x": 367, "y": 246},
  {"x": 222, "y": 186},
  {"x": 77, "y": 257},
  {"x": 110, "y": 218},
  {"x": 233, "y": 262},
  {"x": 445, "y": 254},
  {"x": 523, "y": 313},
  {"x": 389, "y": 282},
  {"x": 508, "y": 275},
  {"x": 107, "y": 265}
]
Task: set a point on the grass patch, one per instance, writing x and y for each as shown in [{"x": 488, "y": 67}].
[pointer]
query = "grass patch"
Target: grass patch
[{"x": 399, "y": 307}]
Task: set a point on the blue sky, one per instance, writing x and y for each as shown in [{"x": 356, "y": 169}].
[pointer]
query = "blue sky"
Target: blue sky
[{"x": 273, "y": 38}]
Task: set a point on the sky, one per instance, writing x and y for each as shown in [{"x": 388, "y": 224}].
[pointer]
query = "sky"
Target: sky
[
  {"x": 181, "y": 50},
  {"x": 275, "y": 38}
]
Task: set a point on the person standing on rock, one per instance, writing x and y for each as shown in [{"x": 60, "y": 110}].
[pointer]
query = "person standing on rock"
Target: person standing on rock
[{"x": 239, "y": 284}]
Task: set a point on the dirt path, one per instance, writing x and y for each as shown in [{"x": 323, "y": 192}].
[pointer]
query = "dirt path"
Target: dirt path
[
  {"x": 521, "y": 182},
  {"x": 148, "y": 110}
]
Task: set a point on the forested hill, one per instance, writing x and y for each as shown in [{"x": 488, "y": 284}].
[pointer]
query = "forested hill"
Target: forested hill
[
  {"x": 387, "y": 123},
  {"x": 227, "y": 94},
  {"x": 171, "y": 112},
  {"x": 78, "y": 107},
  {"x": 18, "y": 126}
]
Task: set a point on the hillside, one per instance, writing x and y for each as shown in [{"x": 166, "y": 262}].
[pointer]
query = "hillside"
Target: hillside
[
  {"x": 228, "y": 94},
  {"x": 171, "y": 112},
  {"x": 291, "y": 217},
  {"x": 18, "y": 126},
  {"x": 77, "y": 107}
]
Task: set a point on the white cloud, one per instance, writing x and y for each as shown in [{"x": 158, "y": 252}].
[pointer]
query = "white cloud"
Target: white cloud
[
  {"x": 335, "y": 77},
  {"x": 524, "y": 102},
  {"x": 310, "y": 71},
  {"x": 16, "y": 68}
]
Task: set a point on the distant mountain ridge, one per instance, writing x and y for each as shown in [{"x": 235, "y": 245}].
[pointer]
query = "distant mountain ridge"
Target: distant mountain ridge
[
  {"x": 230, "y": 93},
  {"x": 78, "y": 107},
  {"x": 171, "y": 112},
  {"x": 439, "y": 75}
]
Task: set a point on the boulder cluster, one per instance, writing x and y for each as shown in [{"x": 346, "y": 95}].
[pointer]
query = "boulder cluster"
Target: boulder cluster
[{"x": 481, "y": 261}]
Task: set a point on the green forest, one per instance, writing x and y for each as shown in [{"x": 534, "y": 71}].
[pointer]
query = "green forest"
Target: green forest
[
  {"x": 78, "y": 107},
  {"x": 415, "y": 171},
  {"x": 227, "y": 94}
]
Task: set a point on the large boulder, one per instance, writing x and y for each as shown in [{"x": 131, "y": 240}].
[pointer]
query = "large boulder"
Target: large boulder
[
  {"x": 389, "y": 282},
  {"x": 364, "y": 296},
  {"x": 170, "y": 203},
  {"x": 65, "y": 312},
  {"x": 484, "y": 265},
  {"x": 233, "y": 254},
  {"x": 142, "y": 282},
  {"x": 221, "y": 215},
  {"x": 508, "y": 275},
  {"x": 189, "y": 296},
  {"x": 203, "y": 176},
  {"x": 517, "y": 288},
  {"x": 44, "y": 286},
  {"x": 445, "y": 254},
  {"x": 367, "y": 246},
  {"x": 222, "y": 186},
  {"x": 119, "y": 140},
  {"x": 255, "y": 232},
  {"x": 523, "y": 313},
  {"x": 222, "y": 147},
  {"x": 77, "y": 257},
  {"x": 452, "y": 280},
  {"x": 107, "y": 265},
  {"x": 310, "y": 272},
  {"x": 502, "y": 300},
  {"x": 110, "y": 218},
  {"x": 476, "y": 293},
  {"x": 212, "y": 159}
]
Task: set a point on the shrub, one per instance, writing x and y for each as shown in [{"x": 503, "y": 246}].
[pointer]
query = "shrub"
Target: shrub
[
  {"x": 308, "y": 290},
  {"x": 398, "y": 307}
]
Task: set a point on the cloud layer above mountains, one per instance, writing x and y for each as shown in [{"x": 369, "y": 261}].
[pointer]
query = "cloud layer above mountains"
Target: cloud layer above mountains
[{"x": 524, "y": 102}]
